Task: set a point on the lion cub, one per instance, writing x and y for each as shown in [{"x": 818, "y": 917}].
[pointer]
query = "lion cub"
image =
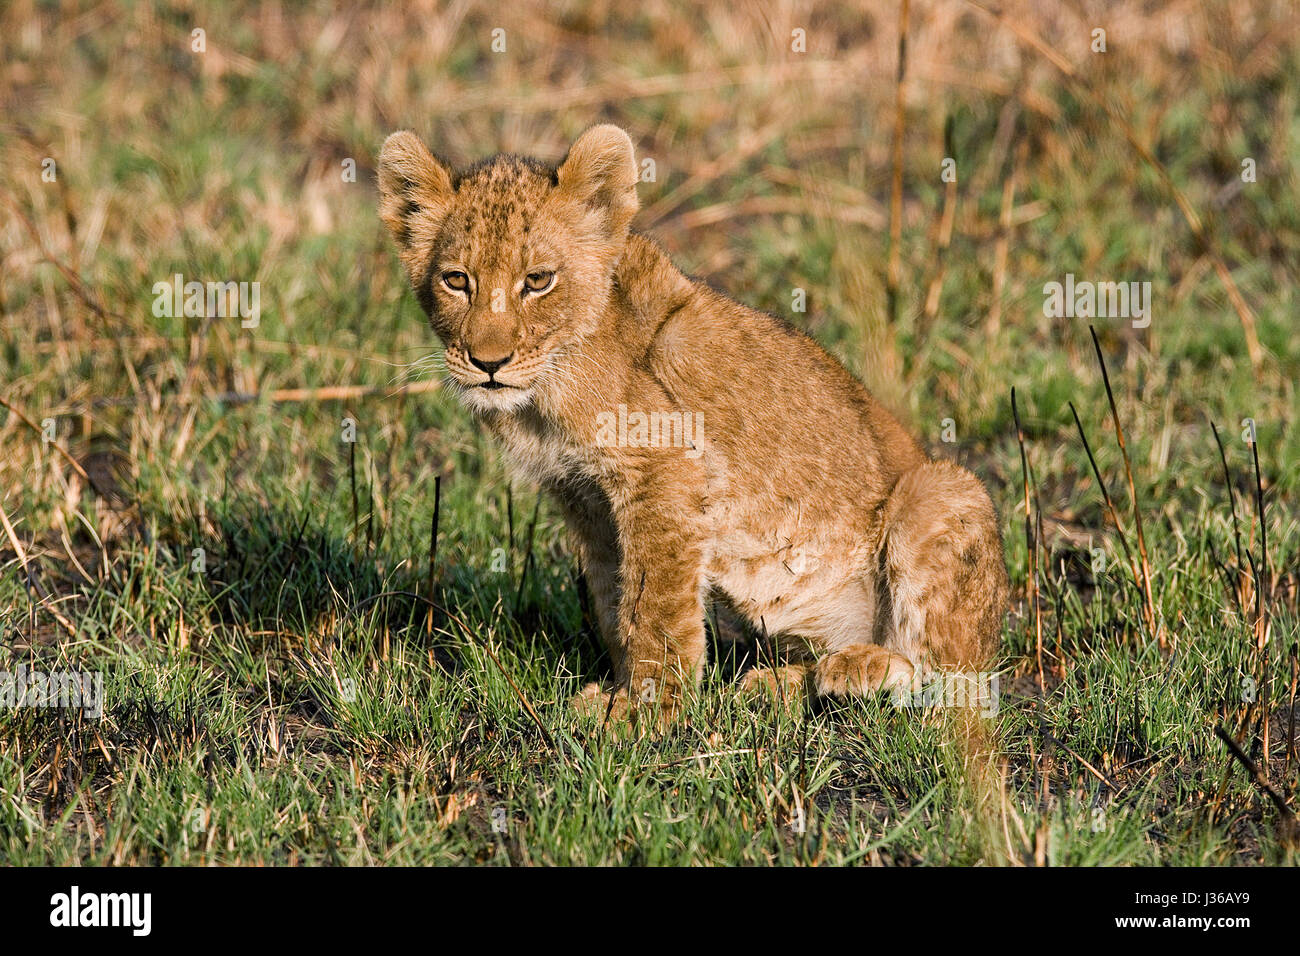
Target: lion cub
[{"x": 696, "y": 446}]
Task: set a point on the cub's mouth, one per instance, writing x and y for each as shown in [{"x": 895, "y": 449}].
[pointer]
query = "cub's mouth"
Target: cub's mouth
[{"x": 492, "y": 386}]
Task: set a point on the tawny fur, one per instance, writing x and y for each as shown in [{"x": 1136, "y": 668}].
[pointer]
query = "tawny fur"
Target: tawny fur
[{"x": 799, "y": 501}]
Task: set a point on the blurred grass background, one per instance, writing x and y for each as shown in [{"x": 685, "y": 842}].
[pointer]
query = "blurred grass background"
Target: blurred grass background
[{"x": 773, "y": 172}]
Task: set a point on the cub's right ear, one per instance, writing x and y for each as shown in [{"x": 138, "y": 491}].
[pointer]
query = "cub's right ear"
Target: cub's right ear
[{"x": 414, "y": 189}]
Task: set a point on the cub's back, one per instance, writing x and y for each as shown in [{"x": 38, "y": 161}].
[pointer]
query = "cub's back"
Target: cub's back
[{"x": 770, "y": 395}]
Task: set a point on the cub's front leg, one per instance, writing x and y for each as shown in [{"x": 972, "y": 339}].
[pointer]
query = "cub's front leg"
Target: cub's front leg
[
  {"x": 594, "y": 539},
  {"x": 660, "y": 641}
]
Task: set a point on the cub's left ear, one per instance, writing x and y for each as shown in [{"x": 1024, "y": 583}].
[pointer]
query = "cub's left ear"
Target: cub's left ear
[
  {"x": 600, "y": 172},
  {"x": 414, "y": 189}
]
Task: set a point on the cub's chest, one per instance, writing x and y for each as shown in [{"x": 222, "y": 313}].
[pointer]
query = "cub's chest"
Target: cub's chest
[{"x": 543, "y": 454}]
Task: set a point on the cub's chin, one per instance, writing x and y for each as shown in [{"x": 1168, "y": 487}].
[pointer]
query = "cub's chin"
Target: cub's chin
[{"x": 502, "y": 398}]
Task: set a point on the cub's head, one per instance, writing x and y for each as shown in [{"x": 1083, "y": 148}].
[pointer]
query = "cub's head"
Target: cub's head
[{"x": 511, "y": 259}]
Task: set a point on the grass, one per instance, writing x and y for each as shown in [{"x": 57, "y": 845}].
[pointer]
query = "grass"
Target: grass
[{"x": 276, "y": 687}]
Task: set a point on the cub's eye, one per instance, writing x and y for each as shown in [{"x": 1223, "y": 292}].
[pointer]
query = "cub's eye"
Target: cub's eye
[
  {"x": 538, "y": 282},
  {"x": 456, "y": 281}
]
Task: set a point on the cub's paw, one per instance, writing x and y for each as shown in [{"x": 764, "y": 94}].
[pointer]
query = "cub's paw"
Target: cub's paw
[
  {"x": 615, "y": 708},
  {"x": 600, "y": 702},
  {"x": 860, "y": 670},
  {"x": 786, "y": 682}
]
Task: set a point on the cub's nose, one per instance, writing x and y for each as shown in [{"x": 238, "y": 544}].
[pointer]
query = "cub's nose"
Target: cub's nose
[{"x": 490, "y": 365}]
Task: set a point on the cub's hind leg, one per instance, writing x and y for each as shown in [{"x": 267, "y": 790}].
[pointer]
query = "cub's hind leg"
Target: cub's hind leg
[{"x": 941, "y": 557}]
